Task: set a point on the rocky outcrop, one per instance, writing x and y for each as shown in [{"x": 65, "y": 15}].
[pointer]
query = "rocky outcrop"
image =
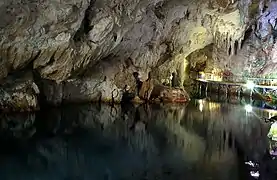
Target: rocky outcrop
[
  {"x": 166, "y": 94},
  {"x": 89, "y": 50},
  {"x": 19, "y": 93}
]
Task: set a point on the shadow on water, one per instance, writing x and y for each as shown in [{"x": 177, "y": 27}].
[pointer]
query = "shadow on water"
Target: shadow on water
[{"x": 201, "y": 140}]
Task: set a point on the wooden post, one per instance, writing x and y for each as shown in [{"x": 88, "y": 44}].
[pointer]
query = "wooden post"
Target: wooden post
[
  {"x": 239, "y": 92},
  {"x": 200, "y": 88},
  {"x": 206, "y": 90},
  {"x": 226, "y": 91}
]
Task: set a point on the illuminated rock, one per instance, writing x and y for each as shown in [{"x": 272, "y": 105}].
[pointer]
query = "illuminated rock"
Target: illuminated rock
[
  {"x": 273, "y": 131},
  {"x": 167, "y": 94}
]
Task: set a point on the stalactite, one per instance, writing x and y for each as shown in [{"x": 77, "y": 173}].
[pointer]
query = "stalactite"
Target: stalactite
[
  {"x": 228, "y": 45},
  {"x": 240, "y": 43},
  {"x": 227, "y": 41},
  {"x": 233, "y": 48},
  {"x": 220, "y": 40},
  {"x": 217, "y": 38}
]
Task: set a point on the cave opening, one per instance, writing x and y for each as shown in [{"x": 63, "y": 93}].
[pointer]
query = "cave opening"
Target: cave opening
[{"x": 247, "y": 35}]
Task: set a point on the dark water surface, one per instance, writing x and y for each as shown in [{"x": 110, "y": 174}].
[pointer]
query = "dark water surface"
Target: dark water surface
[{"x": 201, "y": 140}]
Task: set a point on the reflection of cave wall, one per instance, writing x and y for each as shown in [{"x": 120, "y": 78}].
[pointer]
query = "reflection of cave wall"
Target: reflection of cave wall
[{"x": 148, "y": 141}]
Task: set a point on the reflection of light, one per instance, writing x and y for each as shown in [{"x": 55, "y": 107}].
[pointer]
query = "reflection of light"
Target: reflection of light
[
  {"x": 201, "y": 105},
  {"x": 248, "y": 108},
  {"x": 213, "y": 106},
  {"x": 271, "y": 114},
  {"x": 255, "y": 174},
  {"x": 250, "y": 85},
  {"x": 202, "y": 75},
  {"x": 209, "y": 105},
  {"x": 250, "y": 163},
  {"x": 171, "y": 77}
]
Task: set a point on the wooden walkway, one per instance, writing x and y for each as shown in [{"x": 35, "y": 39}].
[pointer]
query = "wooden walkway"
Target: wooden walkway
[
  {"x": 235, "y": 84},
  {"x": 259, "y": 84}
]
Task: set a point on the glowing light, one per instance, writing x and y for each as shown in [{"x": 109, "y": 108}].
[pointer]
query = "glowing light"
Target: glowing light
[
  {"x": 214, "y": 106},
  {"x": 250, "y": 85},
  {"x": 250, "y": 163},
  {"x": 171, "y": 77},
  {"x": 255, "y": 174},
  {"x": 202, "y": 75},
  {"x": 201, "y": 105},
  {"x": 248, "y": 108}
]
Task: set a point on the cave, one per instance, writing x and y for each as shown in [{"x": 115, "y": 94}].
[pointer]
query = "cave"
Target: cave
[{"x": 138, "y": 89}]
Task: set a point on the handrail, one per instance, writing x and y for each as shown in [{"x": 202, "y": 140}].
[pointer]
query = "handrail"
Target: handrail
[{"x": 238, "y": 79}]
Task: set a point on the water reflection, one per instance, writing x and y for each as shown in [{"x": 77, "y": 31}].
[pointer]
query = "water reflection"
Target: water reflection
[{"x": 202, "y": 140}]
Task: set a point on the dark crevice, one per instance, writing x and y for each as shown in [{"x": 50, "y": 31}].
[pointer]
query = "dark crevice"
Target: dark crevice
[
  {"x": 236, "y": 47},
  {"x": 158, "y": 11},
  {"x": 167, "y": 56},
  {"x": 28, "y": 67},
  {"x": 230, "y": 50},
  {"x": 115, "y": 37},
  {"x": 52, "y": 59},
  {"x": 85, "y": 25},
  {"x": 247, "y": 35}
]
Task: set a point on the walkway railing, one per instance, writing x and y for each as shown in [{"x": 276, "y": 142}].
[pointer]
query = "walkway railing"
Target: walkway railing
[{"x": 238, "y": 79}]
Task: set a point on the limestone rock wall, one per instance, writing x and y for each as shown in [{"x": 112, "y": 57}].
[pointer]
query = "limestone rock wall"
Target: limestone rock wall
[{"x": 74, "y": 45}]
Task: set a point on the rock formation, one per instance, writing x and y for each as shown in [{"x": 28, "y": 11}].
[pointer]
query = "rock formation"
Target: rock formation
[{"x": 88, "y": 50}]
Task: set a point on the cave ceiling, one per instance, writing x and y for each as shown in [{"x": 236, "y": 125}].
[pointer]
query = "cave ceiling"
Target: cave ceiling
[{"x": 67, "y": 39}]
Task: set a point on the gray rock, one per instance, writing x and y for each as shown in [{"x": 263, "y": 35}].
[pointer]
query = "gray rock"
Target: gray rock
[
  {"x": 19, "y": 93},
  {"x": 81, "y": 90},
  {"x": 68, "y": 42}
]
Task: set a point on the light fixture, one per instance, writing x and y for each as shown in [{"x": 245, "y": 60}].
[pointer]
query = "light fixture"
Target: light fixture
[
  {"x": 250, "y": 85},
  {"x": 248, "y": 108}
]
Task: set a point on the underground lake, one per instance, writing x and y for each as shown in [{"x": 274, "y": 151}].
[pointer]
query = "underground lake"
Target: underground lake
[{"x": 203, "y": 139}]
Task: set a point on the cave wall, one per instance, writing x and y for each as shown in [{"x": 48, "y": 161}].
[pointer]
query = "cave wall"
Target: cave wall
[
  {"x": 254, "y": 54},
  {"x": 88, "y": 50}
]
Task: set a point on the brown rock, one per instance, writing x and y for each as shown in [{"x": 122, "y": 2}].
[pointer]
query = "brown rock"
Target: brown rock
[
  {"x": 167, "y": 94},
  {"x": 146, "y": 89}
]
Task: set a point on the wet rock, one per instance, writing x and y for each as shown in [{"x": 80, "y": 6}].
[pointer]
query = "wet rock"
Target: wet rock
[
  {"x": 146, "y": 89},
  {"x": 19, "y": 93},
  {"x": 167, "y": 94},
  {"x": 81, "y": 90}
]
